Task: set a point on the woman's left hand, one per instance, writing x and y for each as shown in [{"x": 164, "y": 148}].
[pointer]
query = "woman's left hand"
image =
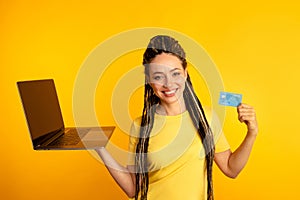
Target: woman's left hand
[{"x": 246, "y": 114}]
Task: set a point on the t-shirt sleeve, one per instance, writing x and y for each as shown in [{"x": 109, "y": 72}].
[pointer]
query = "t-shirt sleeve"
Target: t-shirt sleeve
[{"x": 221, "y": 143}]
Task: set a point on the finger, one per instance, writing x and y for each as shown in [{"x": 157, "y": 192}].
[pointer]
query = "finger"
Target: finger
[
  {"x": 247, "y": 118},
  {"x": 244, "y": 105},
  {"x": 246, "y": 112},
  {"x": 245, "y": 108}
]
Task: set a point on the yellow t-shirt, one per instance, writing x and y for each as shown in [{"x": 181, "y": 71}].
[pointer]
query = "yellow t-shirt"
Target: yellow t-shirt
[{"x": 176, "y": 157}]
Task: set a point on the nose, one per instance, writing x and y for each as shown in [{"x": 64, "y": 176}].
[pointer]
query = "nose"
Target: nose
[{"x": 167, "y": 82}]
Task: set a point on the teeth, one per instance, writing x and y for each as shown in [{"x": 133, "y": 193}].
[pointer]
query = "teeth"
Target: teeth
[{"x": 170, "y": 92}]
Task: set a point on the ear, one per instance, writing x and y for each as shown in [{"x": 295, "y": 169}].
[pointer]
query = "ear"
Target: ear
[
  {"x": 185, "y": 73},
  {"x": 147, "y": 79}
]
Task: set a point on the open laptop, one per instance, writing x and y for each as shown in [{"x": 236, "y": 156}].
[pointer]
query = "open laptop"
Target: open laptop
[{"x": 45, "y": 121}]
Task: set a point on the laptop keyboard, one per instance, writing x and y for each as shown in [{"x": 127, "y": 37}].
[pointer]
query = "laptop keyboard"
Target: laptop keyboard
[{"x": 70, "y": 138}]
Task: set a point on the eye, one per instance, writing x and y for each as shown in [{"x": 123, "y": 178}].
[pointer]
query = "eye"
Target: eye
[
  {"x": 176, "y": 74},
  {"x": 157, "y": 78}
]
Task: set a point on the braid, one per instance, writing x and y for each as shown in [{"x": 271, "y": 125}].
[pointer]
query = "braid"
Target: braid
[
  {"x": 142, "y": 178},
  {"x": 196, "y": 112}
]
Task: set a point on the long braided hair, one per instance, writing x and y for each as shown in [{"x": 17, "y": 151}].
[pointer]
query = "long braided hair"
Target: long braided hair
[{"x": 157, "y": 45}]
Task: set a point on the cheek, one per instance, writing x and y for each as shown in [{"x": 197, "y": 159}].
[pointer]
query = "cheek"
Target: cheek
[
  {"x": 181, "y": 81},
  {"x": 155, "y": 87}
]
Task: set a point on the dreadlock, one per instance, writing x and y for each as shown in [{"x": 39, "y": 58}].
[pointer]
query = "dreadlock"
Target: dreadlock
[{"x": 165, "y": 44}]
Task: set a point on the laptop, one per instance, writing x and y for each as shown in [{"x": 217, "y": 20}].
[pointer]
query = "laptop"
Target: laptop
[{"x": 45, "y": 121}]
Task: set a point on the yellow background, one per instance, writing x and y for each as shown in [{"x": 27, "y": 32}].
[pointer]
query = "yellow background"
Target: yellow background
[{"x": 256, "y": 47}]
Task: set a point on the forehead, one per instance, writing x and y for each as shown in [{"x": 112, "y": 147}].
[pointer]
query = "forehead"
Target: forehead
[{"x": 165, "y": 62}]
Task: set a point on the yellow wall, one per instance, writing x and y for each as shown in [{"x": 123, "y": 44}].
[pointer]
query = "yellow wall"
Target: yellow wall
[{"x": 255, "y": 45}]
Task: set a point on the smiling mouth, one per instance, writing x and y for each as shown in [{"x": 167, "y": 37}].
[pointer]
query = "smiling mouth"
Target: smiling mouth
[{"x": 170, "y": 92}]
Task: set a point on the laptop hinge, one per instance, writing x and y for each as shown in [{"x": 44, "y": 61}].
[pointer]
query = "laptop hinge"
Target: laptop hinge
[{"x": 50, "y": 137}]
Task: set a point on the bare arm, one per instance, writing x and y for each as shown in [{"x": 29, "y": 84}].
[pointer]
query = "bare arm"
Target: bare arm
[
  {"x": 124, "y": 177},
  {"x": 230, "y": 163}
]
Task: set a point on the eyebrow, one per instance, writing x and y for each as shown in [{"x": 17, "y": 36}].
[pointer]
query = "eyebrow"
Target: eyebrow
[{"x": 174, "y": 69}]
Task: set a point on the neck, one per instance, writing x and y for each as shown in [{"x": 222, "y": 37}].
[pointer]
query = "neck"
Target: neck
[{"x": 171, "y": 109}]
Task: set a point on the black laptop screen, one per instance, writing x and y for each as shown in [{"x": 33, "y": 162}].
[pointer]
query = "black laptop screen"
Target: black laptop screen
[{"x": 41, "y": 107}]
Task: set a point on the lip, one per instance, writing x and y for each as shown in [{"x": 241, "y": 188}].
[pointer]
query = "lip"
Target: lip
[{"x": 170, "y": 93}]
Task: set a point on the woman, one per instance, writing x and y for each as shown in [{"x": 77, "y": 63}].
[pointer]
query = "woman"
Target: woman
[{"x": 173, "y": 142}]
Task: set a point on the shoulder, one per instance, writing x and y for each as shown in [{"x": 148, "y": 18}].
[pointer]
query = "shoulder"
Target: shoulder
[
  {"x": 135, "y": 127},
  {"x": 213, "y": 121}
]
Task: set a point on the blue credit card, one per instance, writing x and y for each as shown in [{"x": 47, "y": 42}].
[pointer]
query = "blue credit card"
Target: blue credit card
[{"x": 230, "y": 99}]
